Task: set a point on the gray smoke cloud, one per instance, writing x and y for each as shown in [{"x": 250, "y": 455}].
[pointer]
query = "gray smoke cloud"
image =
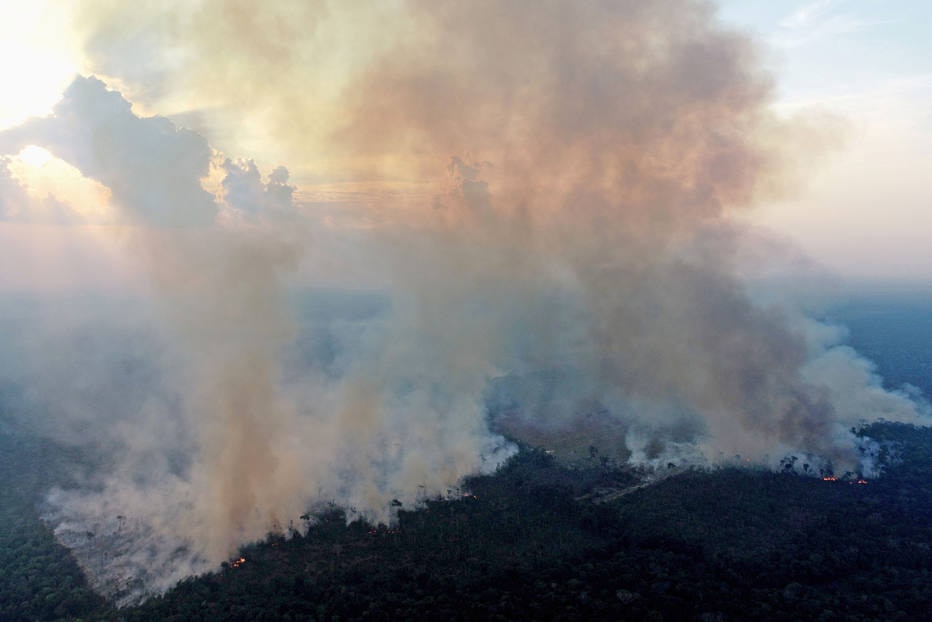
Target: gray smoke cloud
[{"x": 573, "y": 278}]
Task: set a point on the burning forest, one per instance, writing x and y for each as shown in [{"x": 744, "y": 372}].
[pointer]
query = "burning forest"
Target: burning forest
[{"x": 507, "y": 222}]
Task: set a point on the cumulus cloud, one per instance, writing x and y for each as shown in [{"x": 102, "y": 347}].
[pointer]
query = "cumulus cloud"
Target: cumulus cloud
[
  {"x": 13, "y": 197},
  {"x": 152, "y": 167}
]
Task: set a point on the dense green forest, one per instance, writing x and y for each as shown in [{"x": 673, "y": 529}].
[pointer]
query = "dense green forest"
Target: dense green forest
[
  {"x": 39, "y": 579},
  {"x": 541, "y": 540}
]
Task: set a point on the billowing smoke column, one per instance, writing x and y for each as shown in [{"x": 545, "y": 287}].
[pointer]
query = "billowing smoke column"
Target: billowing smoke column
[
  {"x": 618, "y": 137},
  {"x": 226, "y": 446},
  {"x": 576, "y": 272},
  {"x": 219, "y": 286}
]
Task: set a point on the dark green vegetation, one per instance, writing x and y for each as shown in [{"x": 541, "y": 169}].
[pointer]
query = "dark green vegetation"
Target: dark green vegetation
[
  {"x": 39, "y": 579},
  {"x": 729, "y": 544}
]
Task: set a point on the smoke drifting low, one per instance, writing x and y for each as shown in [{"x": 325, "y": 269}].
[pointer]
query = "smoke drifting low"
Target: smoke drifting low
[{"x": 574, "y": 276}]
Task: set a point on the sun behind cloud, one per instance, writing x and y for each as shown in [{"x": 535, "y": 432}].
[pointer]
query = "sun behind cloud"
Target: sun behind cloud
[
  {"x": 38, "y": 57},
  {"x": 34, "y": 156}
]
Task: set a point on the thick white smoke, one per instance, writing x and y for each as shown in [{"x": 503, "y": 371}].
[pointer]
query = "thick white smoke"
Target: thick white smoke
[{"x": 573, "y": 275}]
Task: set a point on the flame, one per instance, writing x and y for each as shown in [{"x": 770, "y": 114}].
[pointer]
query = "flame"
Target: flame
[
  {"x": 829, "y": 478},
  {"x": 238, "y": 562}
]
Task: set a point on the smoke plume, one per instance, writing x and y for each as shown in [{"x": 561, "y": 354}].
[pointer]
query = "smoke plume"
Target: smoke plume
[{"x": 566, "y": 271}]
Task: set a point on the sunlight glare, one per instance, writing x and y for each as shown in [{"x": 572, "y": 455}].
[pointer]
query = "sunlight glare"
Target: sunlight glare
[
  {"x": 34, "y": 156},
  {"x": 38, "y": 58}
]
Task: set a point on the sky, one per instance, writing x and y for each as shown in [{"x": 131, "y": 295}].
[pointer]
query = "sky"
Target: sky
[
  {"x": 861, "y": 213},
  {"x": 866, "y": 210}
]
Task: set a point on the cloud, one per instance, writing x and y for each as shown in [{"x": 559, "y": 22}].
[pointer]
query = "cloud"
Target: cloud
[
  {"x": 18, "y": 204},
  {"x": 819, "y": 21},
  {"x": 13, "y": 197},
  {"x": 807, "y": 14},
  {"x": 245, "y": 192},
  {"x": 152, "y": 168}
]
